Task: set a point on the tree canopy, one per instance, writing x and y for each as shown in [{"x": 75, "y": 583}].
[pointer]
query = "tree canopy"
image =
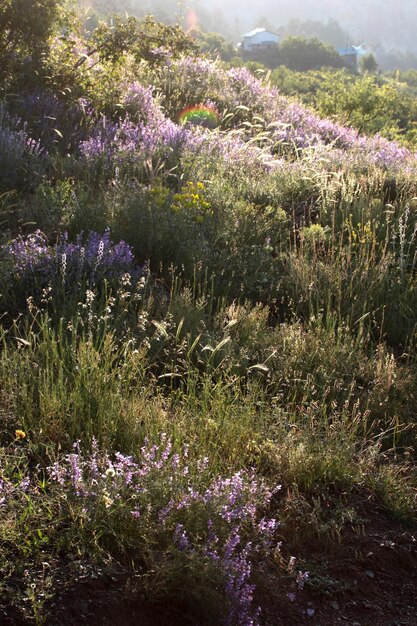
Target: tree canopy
[
  {"x": 25, "y": 28},
  {"x": 301, "y": 54}
]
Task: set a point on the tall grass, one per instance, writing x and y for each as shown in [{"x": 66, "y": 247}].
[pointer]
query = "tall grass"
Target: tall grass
[{"x": 264, "y": 333}]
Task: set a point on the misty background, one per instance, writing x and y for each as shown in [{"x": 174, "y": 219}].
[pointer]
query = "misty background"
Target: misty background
[
  {"x": 383, "y": 26},
  {"x": 390, "y": 24}
]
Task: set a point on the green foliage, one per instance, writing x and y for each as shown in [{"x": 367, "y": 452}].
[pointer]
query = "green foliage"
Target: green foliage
[
  {"x": 301, "y": 85},
  {"x": 273, "y": 325},
  {"x": 369, "y": 102},
  {"x": 301, "y": 54},
  {"x": 165, "y": 226},
  {"x": 368, "y": 63},
  {"x": 268, "y": 57},
  {"x": 298, "y": 54},
  {"x": 214, "y": 45},
  {"x": 143, "y": 39},
  {"x": 25, "y": 30},
  {"x": 362, "y": 103}
]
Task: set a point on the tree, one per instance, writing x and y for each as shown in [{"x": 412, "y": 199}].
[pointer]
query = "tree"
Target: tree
[
  {"x": 25, "y": 28},
  {"x": 301, "y": 54},
  {"x": 214, "y": 44},
  {"x": 368, "y": 64},
  {"x": 330, "y": 32},
  {"x": 144, "y": 39},
  {"x": 360, "y": 102},
  {"x": 269, "y": 57},
  {"x": 302, "y": 85}
]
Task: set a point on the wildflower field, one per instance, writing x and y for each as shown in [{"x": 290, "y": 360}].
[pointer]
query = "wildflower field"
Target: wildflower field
[{"x": 208, "y": 332}]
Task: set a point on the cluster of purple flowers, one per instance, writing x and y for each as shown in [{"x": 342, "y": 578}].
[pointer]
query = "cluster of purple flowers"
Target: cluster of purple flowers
[
  {"x": 163, "y": 489},
  {"x": 16, "y": 144},
  {"x": 143, "y": 131},
  {"x": 18, "y": 151},
  {"x": 289, "y": 124},
  {"x": 146, "y": 131},
  {"x": 34, "y": 265},
  {"x": 95, "y": 257},
  {"x": 28, "y": 254},
  {"x": 288, "y": 127},
  {"x": 301, "y": 128},
  {"x": 126, "y": 141}
]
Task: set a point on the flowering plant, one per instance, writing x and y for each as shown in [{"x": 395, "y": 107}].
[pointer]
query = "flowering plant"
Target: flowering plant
[
  {"x": 65, "y": 267},
  {"x": 164, "y": 496}
]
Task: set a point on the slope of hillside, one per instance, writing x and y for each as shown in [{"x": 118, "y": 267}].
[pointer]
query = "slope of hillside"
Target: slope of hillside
[{"x": 208, "y": 372}]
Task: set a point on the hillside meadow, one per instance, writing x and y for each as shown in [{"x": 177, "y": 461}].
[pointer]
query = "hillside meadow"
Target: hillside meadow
[{"x": 208, "y": 318}]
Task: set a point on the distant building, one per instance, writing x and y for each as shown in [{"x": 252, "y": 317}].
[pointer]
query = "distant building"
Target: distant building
[
  {"x": 351, "y": 55},
  {"x": 259, "y": 39}
]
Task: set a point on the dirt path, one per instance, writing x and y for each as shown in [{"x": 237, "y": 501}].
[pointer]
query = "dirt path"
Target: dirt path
[{"x": 370, "y": 581}]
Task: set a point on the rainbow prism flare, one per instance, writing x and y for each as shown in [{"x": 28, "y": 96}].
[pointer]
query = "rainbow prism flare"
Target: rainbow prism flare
[{"x": 199, "y": 115}]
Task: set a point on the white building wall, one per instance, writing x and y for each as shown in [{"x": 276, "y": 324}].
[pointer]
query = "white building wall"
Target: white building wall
[
  {"x": 265, "y": 38},
  {"x": 260, "y": 39}
]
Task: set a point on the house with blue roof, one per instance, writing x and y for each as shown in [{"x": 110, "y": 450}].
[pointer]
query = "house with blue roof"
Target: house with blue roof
[{"x": 351, "y": 55}]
